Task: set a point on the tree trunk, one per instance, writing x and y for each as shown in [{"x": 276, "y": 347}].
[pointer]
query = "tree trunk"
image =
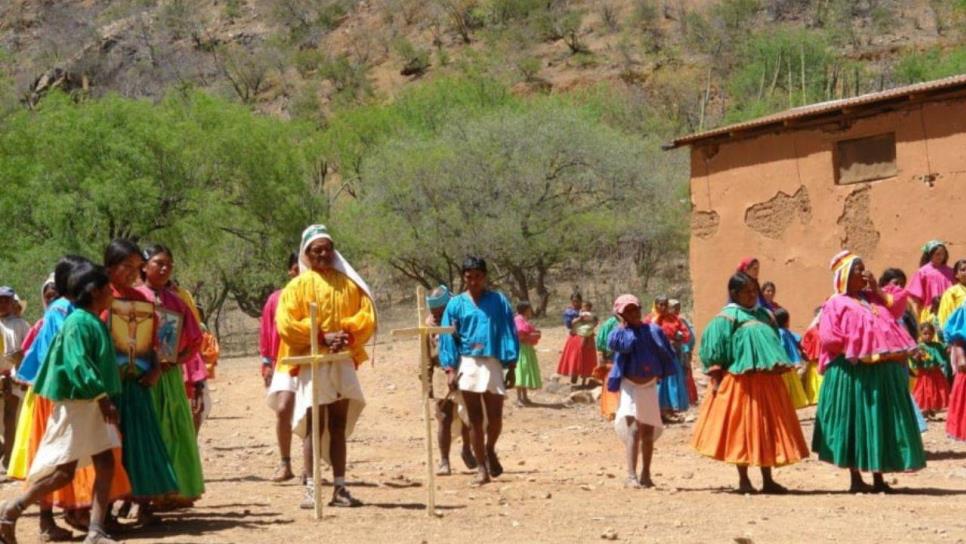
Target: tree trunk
[{"x": 543, "y": 294}]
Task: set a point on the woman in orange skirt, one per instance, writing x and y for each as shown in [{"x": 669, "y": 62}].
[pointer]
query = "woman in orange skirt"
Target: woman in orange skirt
[{"x": 747, "y": 418}]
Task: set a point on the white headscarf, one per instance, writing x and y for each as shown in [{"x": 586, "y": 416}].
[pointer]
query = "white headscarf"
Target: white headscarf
[{"x": 319, "y": 232}]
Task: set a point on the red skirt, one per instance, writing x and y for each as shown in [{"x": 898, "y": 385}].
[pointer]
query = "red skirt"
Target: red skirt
[
  {"x": 579, "y": 357},
  {"x": 691, "y": 386},
  {"x": 932, "y": 390},
  {"x": 956, "y": 416}
]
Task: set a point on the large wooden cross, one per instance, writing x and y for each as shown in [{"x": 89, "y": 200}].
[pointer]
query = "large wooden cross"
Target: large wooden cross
[
  {"x": 314, "y": 359},
  {"x": 424, "y": 332}
]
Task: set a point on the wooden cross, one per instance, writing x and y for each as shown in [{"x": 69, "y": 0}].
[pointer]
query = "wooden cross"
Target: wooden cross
[
  {"x": 424, "y": 332},
  {"x": 313, "y": 359}
]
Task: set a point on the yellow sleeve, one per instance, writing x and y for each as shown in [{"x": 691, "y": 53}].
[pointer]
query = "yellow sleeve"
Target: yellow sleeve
[
  {"x": 185, "y": 296},
  {"x": 293, "y": 324},
  {"x": 949, "y": 303},
  {"x": 361, "y": 325}
]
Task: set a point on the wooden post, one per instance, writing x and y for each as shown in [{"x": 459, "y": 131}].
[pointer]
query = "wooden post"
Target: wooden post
[
  {"x": 316, "y": 435},
  {"x": 423, "y": 332},
  {"x": 314, "y": 359}
]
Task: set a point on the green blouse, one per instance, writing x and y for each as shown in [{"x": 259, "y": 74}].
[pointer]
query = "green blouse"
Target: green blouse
[
  {"x": 739, "y": 340},
  {"x": 935, "y": 356},
  {"x": 80, "y": 364},
  {"x": 603, "y": 333}
]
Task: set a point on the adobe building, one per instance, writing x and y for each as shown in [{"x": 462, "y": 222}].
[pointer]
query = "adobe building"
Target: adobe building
[{"x": 879, "y": 174}]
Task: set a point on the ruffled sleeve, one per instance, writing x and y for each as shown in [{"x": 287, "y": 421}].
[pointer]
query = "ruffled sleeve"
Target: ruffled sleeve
[
  {"x": 361, "y": 325},
  {"x": 508, "y": 339},
  {"x": 831, "y": 336},
  {"x": 896, "y": 300},
  {"x": 268, "y": 334},
  {"x": 951, "y": 300},
  {"x": 449, "y": 356},
  {"x": 716, "y": 342}
]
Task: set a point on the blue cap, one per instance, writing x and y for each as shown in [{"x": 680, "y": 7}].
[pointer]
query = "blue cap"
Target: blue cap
[
  {"x": 7, "y": 291},
  {"x": 438, "y": 298}
]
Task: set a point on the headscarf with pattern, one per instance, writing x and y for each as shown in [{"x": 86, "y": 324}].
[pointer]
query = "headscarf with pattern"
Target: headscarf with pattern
[{"x": 841, "y": 267}]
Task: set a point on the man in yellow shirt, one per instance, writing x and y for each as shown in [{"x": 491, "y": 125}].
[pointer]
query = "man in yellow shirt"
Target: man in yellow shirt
[{"x": 346, "y": 321}]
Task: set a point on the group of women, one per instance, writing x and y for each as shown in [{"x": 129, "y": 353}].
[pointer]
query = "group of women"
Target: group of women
[
  {"x": 149, "y": 381},
  {"x": 865, "y": 337}
]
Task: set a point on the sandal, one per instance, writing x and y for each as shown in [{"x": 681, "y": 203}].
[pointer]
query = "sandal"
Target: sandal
[
  {"x": 493, "y": 464},
  {"x": 56, "y": 533},
  {"x": 77, "y": 518},
  {"x": 469, "y": 460},
  {"x": 99, "y": 537},
  {"x": 342, "y": 498},
  {"x": 8, "y": 527},
  {"x": 283, "y": 472}
]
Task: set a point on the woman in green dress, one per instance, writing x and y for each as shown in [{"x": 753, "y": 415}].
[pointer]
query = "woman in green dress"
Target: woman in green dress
[
  {"x": 145, "y": 456},
  {"x": 79, "y": 376},
  {"x": 528, "y": 367}
]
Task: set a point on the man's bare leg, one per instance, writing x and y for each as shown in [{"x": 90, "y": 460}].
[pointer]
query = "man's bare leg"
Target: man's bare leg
[
  {"x": 646, "y": 433},
  {"x": 444, "y": 435},
  {"x": 10, "y": 404},
  {"x": 631, "y": 449},
  {"x": 338, "y": 413},
  {"x": 494, "y": 426},
  {"x": 103, "y": 474},
  {"x": 474, "y": 409},
  {"x": 283, "y": 432},
  {"x": 11, "y": 510}
]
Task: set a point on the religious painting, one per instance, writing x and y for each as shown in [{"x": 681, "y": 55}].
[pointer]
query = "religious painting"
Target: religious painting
[{"x": 170, "y": 325}]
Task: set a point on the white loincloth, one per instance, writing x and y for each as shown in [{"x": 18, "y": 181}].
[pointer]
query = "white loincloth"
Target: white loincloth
[
  {"x": 281, "y": 381},
  {"x": 338, "y": 381},
  {"x": 481, "y": 375},
  {"x": 641, "y": 403},
  {"x": 76, "y": 431}
]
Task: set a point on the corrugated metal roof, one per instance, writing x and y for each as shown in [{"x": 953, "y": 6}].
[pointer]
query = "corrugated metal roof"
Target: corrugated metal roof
[{"x": 814, "y": 110}]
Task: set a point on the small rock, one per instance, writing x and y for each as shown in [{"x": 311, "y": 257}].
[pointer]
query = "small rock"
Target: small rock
[
  {"x": 515, "y": 523},
  {"x": 547, "y": 495},
  {"x": 587, "y": 487},
  {"x": 609, "y": 534},
  {"x": 743, "y": 540}
]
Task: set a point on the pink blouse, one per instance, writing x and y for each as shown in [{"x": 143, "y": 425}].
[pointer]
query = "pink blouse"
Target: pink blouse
[
  {"x": 525, "y": 331},
  {"x": 268, "y": 338},
  {"x": 192, "y": 363},
  {"x": 861, "y": 328},
  {"x": 930, "y": 283}
]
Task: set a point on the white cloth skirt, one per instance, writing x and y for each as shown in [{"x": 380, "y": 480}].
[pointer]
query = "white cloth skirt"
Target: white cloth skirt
[
  {"x": 481, "y": 375},
  {"x": 639, "y": 401},
  {"x": 76, "y": 431},
  {"x": 281, "y": 381},
  {"x": 337, "y": 381}
]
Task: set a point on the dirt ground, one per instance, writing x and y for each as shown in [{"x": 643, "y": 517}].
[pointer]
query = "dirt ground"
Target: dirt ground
[{"x": 563, "y": 480}]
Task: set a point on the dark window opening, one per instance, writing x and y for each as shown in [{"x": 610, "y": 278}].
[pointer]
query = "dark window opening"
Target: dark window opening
[{"x": 865, "y": 159}]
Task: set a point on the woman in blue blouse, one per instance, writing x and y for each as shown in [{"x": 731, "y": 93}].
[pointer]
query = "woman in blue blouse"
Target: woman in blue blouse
[{"x": 475, "y": 357}]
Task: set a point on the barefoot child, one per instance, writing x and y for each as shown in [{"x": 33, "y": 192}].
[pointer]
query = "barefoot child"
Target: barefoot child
[
  {"x": 528, "y": 368},
  {"x": 932, "y": 390},
  {"x": 449, "y": 402},
  {"x": 80, "y": 377},
  {"x": 747, "y": 418},
  {"x": 642, "y": 355}
]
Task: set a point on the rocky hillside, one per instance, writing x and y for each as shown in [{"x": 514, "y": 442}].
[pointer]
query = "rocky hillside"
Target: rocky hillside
[{"x": 308, "y": 57}]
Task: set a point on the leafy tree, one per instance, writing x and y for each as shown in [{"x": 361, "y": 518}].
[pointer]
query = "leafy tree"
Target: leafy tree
[
  {"x": 529, "y": 189},
  {"x": 227, "y": 190}
]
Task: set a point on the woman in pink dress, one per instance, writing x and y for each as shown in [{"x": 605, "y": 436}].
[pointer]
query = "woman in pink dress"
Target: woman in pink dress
[
  {"x": 932, "y": 279},
  {"x": 866, "y": 420}
]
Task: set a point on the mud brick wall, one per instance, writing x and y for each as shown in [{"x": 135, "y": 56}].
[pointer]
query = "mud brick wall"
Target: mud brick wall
[{"x": 775, "y": 196}]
